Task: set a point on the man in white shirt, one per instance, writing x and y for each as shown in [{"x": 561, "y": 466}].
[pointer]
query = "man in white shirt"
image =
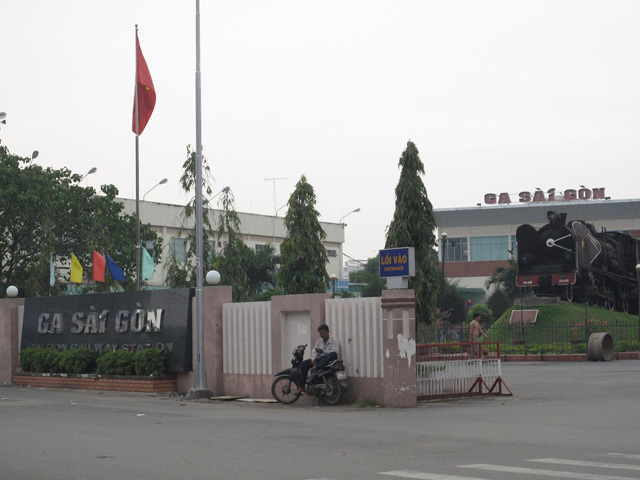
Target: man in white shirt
[{"x": 325, "y": 350}]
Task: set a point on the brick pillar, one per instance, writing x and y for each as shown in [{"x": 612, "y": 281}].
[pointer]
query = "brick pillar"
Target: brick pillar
[
  {"x": 214, "y": 298},
  {"x": 399, "y": 348}
]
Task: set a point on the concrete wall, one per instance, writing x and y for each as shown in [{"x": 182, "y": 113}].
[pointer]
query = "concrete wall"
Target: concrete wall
[
  {"x": 10, "y": 322},
  {"x": 245, "y": 344}
]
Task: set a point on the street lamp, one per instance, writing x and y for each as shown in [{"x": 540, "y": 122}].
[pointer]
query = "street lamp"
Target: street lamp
[
  {"x": 444, "y": 254},
  {"x": 161, "y": 182},
  {"x": 333, "y": 278},
  {"x": 213, "y": 277},
  {"x": 3, "y": 116},
  {"x": 93, "y": 169},
  {"x": 638, "y": 278},
  {"x": 345, "y": 216},
  {"x": 12, "y": 291},
  {"x": 34, "y": 154}
]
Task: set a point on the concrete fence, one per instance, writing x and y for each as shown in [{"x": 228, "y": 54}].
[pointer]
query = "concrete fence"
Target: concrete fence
[{"x": 246, "y": 343}]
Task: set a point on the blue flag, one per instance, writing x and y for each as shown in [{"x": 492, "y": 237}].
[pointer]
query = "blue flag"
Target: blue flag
[{"x": 114, "y": 269}]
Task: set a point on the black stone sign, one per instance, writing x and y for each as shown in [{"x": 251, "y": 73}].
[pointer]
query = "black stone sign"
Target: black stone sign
[{"x": 128, "y": 321}]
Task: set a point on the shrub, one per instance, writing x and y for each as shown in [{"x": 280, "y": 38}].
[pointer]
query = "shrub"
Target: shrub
[
  {"x": 78, "y": 360},
  {"x": 486, "y": 315},
  {"x": 499, "y": 302},
  {"x": 150, "y": 362},
  {"x": 46, "y": 360},
  {"x": 118, "y": 362},
  {"x": 26, "y": 359}
]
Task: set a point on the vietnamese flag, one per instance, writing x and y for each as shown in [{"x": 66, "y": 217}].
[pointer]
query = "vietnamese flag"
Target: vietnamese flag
[
  {"x": 99, "y": 264},
  {"x": 145, "y": 95}
]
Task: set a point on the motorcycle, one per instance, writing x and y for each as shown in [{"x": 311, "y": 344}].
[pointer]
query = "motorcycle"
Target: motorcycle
[{"x": 327, "y": 384}]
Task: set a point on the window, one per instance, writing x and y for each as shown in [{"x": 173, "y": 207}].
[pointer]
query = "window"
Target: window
[
  {"x": 489, "y": 248},
  {"x": 514, "y": 247},
  {"x": 260, "y": 247},
  {"x": 332, "y": 253},
  {"x": 456, "y": 250},
  {"x": 149, "y": 245},
  {"x": 178, "y": 249}
]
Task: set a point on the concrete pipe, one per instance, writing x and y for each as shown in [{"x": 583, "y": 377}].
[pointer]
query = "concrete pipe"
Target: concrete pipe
[{"x": 600, "y": 347}]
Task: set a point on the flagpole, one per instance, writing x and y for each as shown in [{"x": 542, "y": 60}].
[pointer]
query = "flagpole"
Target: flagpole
[
  {"x": 137, "y": 172},
  {"x": 199, "y": 389}
]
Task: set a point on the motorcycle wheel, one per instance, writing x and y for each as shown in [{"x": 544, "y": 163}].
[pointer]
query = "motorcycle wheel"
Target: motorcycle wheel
[
  {"x": 284, "y": 390},
  {"x": 336, "y": 392}
]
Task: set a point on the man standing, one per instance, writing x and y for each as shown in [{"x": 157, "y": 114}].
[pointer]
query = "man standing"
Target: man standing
[
  {"x": 475, "y": 330},
  {"x": 325, "y": 350}
]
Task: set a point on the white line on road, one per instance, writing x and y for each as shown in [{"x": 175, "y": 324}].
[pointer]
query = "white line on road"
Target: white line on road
[
  {"x": 425, "y": 476},
  {"x": 630, "y": 456},
  {"x": 577, "y": 463},
  {"x": 547, "y": 473}
]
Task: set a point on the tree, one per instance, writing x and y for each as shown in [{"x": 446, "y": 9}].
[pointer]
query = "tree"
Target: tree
[
  {"x": 303, "y": 256},
  {"x": 235, "y": 259},
  {"x": 44, "y": 212},
  {"x": 370, "y": 276},
  {"x": 183, "y": 274},
  {"x": 413, "y": 225},
  {"x": 505, "y": 278},
  {"x": 452, "y": 303},
  {"x": 499, "y": 302}
]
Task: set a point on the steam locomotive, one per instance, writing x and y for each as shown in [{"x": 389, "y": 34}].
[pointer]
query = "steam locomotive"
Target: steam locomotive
[{"x": 573, "y": 261}]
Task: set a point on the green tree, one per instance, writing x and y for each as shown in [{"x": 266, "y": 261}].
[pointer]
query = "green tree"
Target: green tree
[
  {"x": 413, "y": 225},
  {"x": 370, "y": 276},
  {"x": 303, "y": 256},
  {"x": 505, "y": 278},
  {"x": 183, "y": 274},
  {"x": 45, "y": 212},
  {"x": 452, "y": 303},
  {"x": 499, "y": 302},
  {"x": 235, "y": 259}
]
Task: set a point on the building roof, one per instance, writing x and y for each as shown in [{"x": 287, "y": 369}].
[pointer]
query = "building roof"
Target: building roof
[{"x": 521, "y": 213}]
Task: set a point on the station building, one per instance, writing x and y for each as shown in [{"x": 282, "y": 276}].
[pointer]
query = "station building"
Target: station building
[
  {"x": 257, "y": 231},
  {"x": 479, "y": 239}
]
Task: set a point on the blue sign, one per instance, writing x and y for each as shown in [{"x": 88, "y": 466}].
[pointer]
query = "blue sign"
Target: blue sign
[{"x": 397, "y": 262}]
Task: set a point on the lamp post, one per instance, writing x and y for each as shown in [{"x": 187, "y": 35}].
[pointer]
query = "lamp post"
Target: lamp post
[
  {"x": 161, "y": 182},
  {"x": 444, "y": 254},
  {"x": 12, "y": 291},
  {"x": 93, "y": 169},
  {"x": 345, "y": 216},
  {"x": 638, "y": 278},
  {"x": 333, "y": 278}
]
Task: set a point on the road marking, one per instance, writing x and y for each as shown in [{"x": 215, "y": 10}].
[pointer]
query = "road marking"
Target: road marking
[
  {"x": 426, "y": 476},
  {"x": 577, "y": 463},
  {"x": 547, "y": 473},
  {"x": 630, "y": 456}
]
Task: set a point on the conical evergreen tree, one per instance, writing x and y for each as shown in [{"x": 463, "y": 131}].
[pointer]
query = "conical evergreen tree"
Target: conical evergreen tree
[
  {"x": 413, "y": 225},
  {"x": 304, "y": 258}
]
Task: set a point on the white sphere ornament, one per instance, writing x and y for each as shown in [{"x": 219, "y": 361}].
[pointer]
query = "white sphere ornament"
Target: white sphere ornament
[
  {"x": 12, "y": 291},
  {"x": 213, "y": 277}
]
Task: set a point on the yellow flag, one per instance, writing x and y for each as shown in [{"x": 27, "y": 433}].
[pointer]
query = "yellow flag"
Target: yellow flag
[{"x": 76, "y": 269}]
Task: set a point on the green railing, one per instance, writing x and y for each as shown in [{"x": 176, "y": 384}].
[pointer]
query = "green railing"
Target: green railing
[{"x": 535, "y": 339}]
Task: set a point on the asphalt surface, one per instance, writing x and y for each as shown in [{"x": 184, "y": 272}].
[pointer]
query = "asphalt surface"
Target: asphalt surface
[{"x": 565, "y": 420}]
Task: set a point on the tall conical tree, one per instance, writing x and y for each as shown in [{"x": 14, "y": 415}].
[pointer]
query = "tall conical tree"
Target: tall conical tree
[
  {"x": 413, "y": 225},
  {"x": 304, "y": 258}
]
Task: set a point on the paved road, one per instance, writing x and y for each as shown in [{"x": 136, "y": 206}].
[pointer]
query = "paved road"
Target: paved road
[{"x": 574, "y": 420}]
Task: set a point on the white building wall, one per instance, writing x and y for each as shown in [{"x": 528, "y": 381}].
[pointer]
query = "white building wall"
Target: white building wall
[{"x": 167, "y": 221}]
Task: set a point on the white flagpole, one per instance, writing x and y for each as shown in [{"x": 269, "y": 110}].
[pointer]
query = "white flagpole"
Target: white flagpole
[
  {"x": 199, "y": 389},
  {"x": 137, "y": 172}
]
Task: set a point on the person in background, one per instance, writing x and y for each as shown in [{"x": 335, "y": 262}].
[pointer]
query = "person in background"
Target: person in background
[
  {"x": 475, "y": 330},
  {"x": 325, "y": 350}
]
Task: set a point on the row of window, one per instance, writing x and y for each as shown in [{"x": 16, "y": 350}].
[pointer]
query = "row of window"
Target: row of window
[{"x": 480, "y": 249}]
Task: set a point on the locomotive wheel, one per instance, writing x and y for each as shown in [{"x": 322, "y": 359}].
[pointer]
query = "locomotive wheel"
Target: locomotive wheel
[
  {"x": 593, "y": 301},
  {"x": 568, "y": 293},
  {"x": 611, "y": 301},
  {"x": 625, "y": 305}
]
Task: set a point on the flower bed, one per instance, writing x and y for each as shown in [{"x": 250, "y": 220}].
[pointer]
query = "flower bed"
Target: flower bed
[{"x": 120, "y": 383}]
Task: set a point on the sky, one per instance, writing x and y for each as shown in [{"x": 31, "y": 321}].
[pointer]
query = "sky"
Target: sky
[{"x": 498, "y": 96}]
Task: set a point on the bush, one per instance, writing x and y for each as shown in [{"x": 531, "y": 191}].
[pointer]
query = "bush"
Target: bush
[
  {"x": 118, "y": 362},
  {"x": 78, "y": 360},
  {"x": 486, "y": 315},
  {"x": 46, "y": 360},
  {"x": 499, "y": 302},
  {"x": 26, "y": 359},
  {"x": 150, "y": 362}
]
